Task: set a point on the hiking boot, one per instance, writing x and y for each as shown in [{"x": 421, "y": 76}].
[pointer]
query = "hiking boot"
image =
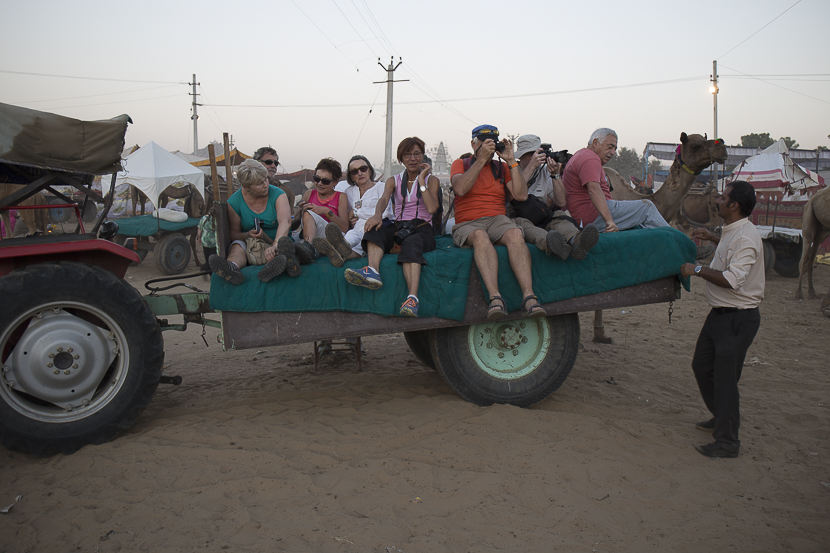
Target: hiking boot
[
  {"x": 366, "y": 277},
  {"x": 584, "y": 241},
  {"x": 272, "y": 269},
  {"x": 226, "y": 269},
  {"x": 324, "y": 247},
  {"x": 718, "y": 449},
  {"x": 335, "y": 237},
  {"x": 557, "y": 245},
  {"x": 706, "y": 426},
  {"x": 292, "y": 265},
  {"x": 305, "y": 252},
  {"x": 410, "y": 307},
  {"x": 704, "y": 251}
]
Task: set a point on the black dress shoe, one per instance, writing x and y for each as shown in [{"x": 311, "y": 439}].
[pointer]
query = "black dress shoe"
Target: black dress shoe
[
  {"x": 706, "y": 426},
  {"x": 717, "y": 449}
]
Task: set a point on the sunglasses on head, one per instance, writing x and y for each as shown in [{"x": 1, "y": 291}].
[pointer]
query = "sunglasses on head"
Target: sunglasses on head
[
  {"x": 356, "y": 170},
  {"x": 320, "y": 179},
  {"x": 269, "y": 161}
]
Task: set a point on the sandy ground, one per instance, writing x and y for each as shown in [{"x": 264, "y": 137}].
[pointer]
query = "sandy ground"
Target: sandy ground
[{"x": 257, "y": 452}]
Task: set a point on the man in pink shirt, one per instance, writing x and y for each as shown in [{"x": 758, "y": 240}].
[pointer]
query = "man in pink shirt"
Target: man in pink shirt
[{"x": 589, "y": 196}]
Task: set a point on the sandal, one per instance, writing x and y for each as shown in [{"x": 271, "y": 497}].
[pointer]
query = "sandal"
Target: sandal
[
  {"x": 496, "y": 311},
  {"x": 535, "y": 310}
]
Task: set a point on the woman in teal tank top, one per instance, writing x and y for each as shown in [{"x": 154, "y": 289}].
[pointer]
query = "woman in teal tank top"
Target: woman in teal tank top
[{"x": 256, "y": 199}]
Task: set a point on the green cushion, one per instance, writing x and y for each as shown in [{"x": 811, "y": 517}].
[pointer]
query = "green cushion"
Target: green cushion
[{"x": 147, "y": 225}]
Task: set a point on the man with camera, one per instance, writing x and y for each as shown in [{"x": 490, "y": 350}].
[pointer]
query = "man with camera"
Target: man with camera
[
  {"x": 482, "y": 186},
  {"x": 589, "y": 196},
  {"x": 541, "y": 216}
]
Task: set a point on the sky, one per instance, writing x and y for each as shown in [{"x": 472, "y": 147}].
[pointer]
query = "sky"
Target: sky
[{"x": 300, "y": 75}]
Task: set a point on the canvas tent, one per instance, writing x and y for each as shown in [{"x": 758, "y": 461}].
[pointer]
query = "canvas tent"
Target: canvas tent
[
  {"x": 772, "y": 170},
  {"x": 151, "y": 169}
]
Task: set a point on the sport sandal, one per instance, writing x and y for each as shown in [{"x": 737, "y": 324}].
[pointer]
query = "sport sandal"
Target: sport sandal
[
  {"x": 535, "y": 309},
  {"x": 496, "y": 311}
]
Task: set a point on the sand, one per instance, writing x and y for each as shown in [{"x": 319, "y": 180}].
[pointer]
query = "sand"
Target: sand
[{"x": 256, "y": 451}]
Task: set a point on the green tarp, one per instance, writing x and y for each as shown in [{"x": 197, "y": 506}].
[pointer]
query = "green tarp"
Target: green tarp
[
  {"x": 147, "y": 225},
  {"x": 618, "y": 260}
]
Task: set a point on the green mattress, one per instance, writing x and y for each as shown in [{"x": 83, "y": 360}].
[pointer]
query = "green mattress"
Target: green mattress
[
  {"x": 619, "y": 259},
  {"x": 147, "y": 225}
]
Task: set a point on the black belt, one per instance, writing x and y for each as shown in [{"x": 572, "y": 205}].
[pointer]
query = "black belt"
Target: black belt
[{"x": 723, "y": 310}]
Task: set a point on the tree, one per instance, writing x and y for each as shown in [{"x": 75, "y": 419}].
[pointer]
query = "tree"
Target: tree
[
  {"x": 757, "y": 140},
  {"x": 789, "y": 142},
  {"x": 627, "y": 163}
]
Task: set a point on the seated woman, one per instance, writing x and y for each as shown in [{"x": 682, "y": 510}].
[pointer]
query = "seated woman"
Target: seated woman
[
  {"x": 363, "y": 194},
  {"x": 416, "y": 199},
  {"x": 255, "y": 204},
  {"x": 320, "y": 206}
]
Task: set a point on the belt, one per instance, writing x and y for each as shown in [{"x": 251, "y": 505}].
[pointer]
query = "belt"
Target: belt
[{"x": 724, "y": 310}]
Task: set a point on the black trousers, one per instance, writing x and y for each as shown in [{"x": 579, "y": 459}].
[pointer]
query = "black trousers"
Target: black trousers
[
  {"x": 719, "y": 357},
  {"x": 413, "y": 248}
]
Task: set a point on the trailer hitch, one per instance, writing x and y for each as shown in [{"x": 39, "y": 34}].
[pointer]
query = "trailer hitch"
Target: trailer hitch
[{"x": 174, "y": 380}]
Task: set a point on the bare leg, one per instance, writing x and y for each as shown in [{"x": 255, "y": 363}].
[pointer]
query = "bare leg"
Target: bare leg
[
  {"x": 519, "y": 257},
  {"x": 375, "y": 254},
  {"x": 412, "y": 274},
  {"x": 486, "y": 260},
  {"x": 238, "y": 256},
  {"x": 309, "y": 226}
]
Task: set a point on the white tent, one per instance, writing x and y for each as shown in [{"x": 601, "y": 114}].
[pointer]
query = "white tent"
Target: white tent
[
  {"x": 772, "y": 170},
  {"x": 151, "y": 169}
]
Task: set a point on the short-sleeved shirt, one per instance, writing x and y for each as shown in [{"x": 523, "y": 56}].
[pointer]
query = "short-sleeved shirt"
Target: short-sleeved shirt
[
  {"x": 268, "y": 218},
  {"x": 740, "y": 257},
  {"x": 333, "y": 203},
  {"x": 584, "y": 167},
  {"x": 487, "y": 196}
]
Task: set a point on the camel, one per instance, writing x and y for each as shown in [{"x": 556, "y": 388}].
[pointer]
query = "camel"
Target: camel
[
  {"x": 694, "y": 154},
  {"x": 35, "y": 219},
  {"x": 815, "y": 228}
]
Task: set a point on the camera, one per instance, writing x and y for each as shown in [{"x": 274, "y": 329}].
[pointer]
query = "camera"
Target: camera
[
  {"x": 561, "y": 156},
  {"x": 404, "y": 231},
  {"x": 499, "y": 146},
  {"x": 495, "y": 139},
  {"x": 257, "y": 224}
]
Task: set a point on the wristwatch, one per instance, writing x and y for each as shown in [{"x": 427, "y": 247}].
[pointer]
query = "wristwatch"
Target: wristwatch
[
  {"x": 423, "y": 188},
  {"x": 697, "y": 269}
]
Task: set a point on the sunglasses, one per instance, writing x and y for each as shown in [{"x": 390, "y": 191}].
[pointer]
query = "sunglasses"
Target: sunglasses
[
  {"x": 488, "y": 135},
  {"x": 270, "y": 161},
  {"x": 320, "y": 179},
  {"x": 356, "y": 170}
]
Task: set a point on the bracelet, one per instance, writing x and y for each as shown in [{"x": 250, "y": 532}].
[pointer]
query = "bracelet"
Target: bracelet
[{"x": 513, "y": 166}]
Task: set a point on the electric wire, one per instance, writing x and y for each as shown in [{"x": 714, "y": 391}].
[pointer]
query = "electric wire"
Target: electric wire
[
  {"x": 364, "y": 124},
  {"x": 86, "y": 78},
  {"x": 93, "y": 95},
  {"x": 759, "y": 30},
  {"x": 779, "y": 86}
]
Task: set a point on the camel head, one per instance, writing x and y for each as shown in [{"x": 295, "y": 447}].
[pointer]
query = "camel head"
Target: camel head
[{"x": 697, "y": 153}]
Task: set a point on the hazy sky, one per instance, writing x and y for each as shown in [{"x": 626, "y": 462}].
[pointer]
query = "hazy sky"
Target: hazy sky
[{"x": 555, "y": 69}]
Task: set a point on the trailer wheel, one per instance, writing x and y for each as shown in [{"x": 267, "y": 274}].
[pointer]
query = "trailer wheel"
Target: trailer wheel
[
  {"x": 519, "y": 362},
  {"x": 788, "y": 259},
  {"x": 81, "y": 357},
  {"x": 172, "y": 253},
  {"x": 418, "y": 342},
  {"x": 769, "y": 256},
  {"x": 59, "y": 214},
  {"x": 90, "y": 212}
]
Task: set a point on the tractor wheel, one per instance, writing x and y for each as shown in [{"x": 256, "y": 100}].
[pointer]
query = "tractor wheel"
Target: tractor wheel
[
  {"x": 172, "y": 253},
  {"x": 788, "y": 259},
  {"x": 769, "y": 257},
  {"x": 81, "y": 354},
  {"x": 520, "y": 362},
  {"x": 90, "y": 212},
  {"x": 418, "y": 342}
]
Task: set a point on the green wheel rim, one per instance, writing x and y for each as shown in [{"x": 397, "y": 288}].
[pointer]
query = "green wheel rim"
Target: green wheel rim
[{"x": 508, "y": 350}]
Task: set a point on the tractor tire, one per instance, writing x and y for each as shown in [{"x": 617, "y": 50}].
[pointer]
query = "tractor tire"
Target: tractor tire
[
  {"x": 788, "y": 259},
  {"x": 520, "y": 362},
  {"x": 172, "y": 253},
  {"x": 418, "y": 342},
  {"x": 90, "y": 212},
  {"x": 81, "y": 354},
  {"x": 769, "y": 257}
]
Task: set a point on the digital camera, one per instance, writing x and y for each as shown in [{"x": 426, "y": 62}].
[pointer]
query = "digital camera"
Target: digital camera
[
  {"x": 562, "y": 156},
  {"x": 404, "y": 231}
]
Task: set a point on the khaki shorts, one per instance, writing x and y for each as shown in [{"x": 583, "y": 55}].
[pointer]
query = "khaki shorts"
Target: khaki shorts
[{"x": 494, "y": 226}]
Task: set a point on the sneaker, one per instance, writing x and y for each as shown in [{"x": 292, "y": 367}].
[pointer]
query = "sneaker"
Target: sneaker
[
  {"x": 557, "y": 245},
  {"x": 272, "y": 269},
  {"x": 706, "y": 426},
  {"x": 305, "y": 252},
  {"x": 324, "y": 247},
  {"x": 410, "y": 307},
  {"x": 226, "y": 269},
  {"x": 336, "y": 239},
  {"x": 292, "y": 265},
  {"x": 718, "y": 449},
  {"x": 366, "y": 277},
  {"x": 704, "y": 251},
  {"x": 584, "y": 241}
]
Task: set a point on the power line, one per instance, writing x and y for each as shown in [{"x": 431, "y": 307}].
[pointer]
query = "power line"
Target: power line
[
  {"x": 121, "y": 102},
  {"x": 761, "y": 29},
  {"x": 92, "y": 95},
  {"x": 779, "y": 86},
  {"x": 86, "y": 78}
]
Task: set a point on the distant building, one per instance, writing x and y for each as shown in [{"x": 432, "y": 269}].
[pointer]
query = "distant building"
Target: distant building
[{"x": 441, "y": 159}]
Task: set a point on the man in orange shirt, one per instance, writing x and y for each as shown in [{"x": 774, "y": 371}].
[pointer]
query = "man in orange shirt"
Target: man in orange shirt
[{"x": 481, "y": 189}]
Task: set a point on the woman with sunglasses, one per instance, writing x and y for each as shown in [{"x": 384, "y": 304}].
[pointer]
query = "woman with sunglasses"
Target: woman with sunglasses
[
  {"x": 363, "y": 194},
  {"x": 258, "y": 214},
  {"x": 320, "y": 206},
  {"x": 416, "y": 199}
]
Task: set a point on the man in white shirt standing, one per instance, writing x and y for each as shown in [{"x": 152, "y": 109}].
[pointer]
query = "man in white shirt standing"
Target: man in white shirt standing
[{"x": 734, "y": 288}]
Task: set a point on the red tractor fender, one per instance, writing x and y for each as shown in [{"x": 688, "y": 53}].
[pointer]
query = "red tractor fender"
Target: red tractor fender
[{"x": 19, "y": 253}]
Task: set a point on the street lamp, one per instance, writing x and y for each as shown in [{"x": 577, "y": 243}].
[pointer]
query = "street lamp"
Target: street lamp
[{"x": 713, "y": 90}]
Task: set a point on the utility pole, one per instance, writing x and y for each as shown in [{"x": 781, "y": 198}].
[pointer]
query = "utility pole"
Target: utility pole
[
  {"x": 714, "y": 90},
  {"x": 195, "y": 116},
  {"x": 387, "y": 160}
]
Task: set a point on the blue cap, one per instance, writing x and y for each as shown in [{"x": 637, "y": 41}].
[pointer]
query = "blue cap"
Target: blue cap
[{"x": 486, "y": 131}]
